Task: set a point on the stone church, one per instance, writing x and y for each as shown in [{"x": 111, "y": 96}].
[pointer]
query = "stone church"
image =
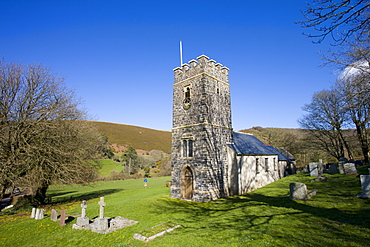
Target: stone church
[{"x": 209, "y": 159}]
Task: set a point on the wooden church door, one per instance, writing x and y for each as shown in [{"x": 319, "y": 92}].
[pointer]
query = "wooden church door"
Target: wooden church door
[{"x": 187, "y": 185}]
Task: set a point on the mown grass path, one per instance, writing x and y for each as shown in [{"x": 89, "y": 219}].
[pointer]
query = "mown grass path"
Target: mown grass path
[{"x": 265, "y": 217}]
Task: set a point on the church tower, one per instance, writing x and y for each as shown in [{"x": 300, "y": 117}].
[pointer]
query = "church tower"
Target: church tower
[{"x": 201, "y": 129}]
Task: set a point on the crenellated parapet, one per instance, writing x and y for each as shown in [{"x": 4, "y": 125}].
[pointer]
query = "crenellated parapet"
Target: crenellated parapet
[{"x": 203, "y": 65}]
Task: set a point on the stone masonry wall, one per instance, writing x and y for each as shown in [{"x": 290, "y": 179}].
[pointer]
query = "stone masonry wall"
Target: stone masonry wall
[{"x": 207, "y": 122}]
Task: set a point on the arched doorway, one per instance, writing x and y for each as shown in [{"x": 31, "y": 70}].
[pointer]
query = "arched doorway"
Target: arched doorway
[{"x": 187, "y": 184}]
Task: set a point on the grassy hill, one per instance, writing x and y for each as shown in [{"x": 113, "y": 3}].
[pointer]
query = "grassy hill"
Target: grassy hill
[{"x": 137, "y": 137}]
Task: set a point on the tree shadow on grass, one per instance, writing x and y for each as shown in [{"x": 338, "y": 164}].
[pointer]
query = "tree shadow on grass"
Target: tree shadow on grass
[
  {"x": 359, "y": 217},
  {"x": 78, "y": 197},
  {"x": 267, "y": 217}
]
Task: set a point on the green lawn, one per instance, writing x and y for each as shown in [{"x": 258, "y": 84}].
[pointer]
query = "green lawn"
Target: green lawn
[
  {"x": 265, "y": 217},
  {"x": 108, "y": 166}
]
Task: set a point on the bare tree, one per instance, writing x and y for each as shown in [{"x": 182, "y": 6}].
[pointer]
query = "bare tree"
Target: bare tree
[
  {"x": 41, "y": 139},
  {"x": 341, "y": 19},
  {"x": 325, "y": 120},
  {"x": 354, "y": 86}
]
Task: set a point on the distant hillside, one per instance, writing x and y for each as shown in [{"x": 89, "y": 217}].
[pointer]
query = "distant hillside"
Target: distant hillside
[
  {"x": 137, "y": 137},
  {"x": 269, "y": 135}
]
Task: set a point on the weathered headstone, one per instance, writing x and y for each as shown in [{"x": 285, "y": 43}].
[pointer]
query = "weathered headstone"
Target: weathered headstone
[
  {"x": 365, "y": 184},
  {"x": 41, "y": 214},
  {"x": 298, "y": 191},
  {"x": 62, "y": 219},
  {"x": 83, "y": 221},
  {"x": 54, "y": 215},
  {"x": 350, "y": 169},
  {"x": 341, "y": 162},
  {"x": 37, "y": 214},
  {"x": 333, "y": 168},
  {"x": 33, "y": 213},
  {"x": 320, "y": 168},
  {"x": 313, "y": 169}
]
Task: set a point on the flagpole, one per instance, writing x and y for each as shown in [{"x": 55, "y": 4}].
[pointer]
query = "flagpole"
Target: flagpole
[{"x": 180, "y": 53}]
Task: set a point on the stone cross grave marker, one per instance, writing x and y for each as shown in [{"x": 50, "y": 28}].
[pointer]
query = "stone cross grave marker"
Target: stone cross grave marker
[
  {"x": 83, "y": 206},
  {"x": 54, "y": 215},
  {"x": 62, "y": 219},
  {"x": 83, "y": 221},
  {"x": 102, "y": 204},
  {"x": 101, "y": 223}
]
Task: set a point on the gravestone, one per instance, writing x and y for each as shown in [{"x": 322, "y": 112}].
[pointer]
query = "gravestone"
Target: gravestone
[
  {"x": 358, "y": 163},
  {"x": 341, "y": 162},
  {"x": 62, "y": 219},
  {"x": 41, "y": 214},
  {"x": 350, "y": 169},
  {"x": 333, "y": 168},
  {"x": 54, "y": 215},
  {"x": 365, "y": 184},
  {"x": 101, "y": 223},
  {"x": 102, "y": 204},
  {"x": 298, "y": 191},
  {"x": 83, "y": 221},
  {"x": 320, "y": 168},
  {"x": 313, "y": 169},
  {"x": 37, "y": 214},
  {"x": 33, "y": 213}
]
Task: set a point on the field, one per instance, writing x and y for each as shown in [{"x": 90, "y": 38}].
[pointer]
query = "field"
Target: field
[
  {"x": 265, "y": 217},
  {"x": 109, "y": 166}
]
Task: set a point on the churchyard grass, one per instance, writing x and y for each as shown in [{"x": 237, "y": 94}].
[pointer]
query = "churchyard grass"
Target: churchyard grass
[{"x": 265, "y": 217}]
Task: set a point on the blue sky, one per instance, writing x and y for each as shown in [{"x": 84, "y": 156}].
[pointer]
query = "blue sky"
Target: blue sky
[{"x": 120, "y": 55}]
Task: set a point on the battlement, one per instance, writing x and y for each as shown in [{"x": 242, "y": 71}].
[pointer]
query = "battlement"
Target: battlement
[{"x": 202, "y": 65}]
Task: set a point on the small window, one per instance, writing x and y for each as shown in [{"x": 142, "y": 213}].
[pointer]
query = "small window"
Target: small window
[
  {"x": 187, "y": 100},
  {"x": 275, "y": 164},
  {"x": 187, "y": 148},
  {"x": 266, "y": 164},
  {"x": 184, "y": 148},
  {"x": 187, "y": 92},
  {"x": 257, "y": 165},
  {"x": 190, "y": 148}
]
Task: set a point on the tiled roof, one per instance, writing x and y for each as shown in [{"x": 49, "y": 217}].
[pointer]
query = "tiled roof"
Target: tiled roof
[{"x": 250, "y": 145}]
